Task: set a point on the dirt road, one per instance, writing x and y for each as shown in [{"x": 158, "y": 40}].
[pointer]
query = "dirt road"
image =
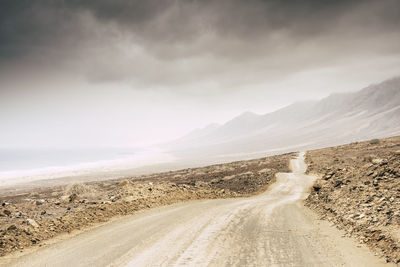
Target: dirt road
[{"x": 271, "y": 229}]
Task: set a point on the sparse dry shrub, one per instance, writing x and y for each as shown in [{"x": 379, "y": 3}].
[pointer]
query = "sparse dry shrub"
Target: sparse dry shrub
[
  {"x": 82, "y": 190},
  {"x": 34, "y": 194},
  {"x": 123, "y": 183},
  {"x": 128, "y": 189},
  {"x": 374, "y": 141},
  {"x": 368, "y": 158}
]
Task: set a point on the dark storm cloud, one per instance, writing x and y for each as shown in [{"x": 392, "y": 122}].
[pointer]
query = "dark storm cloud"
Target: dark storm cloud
[
  {"x": 113, "y": 72},
  {"x": 170, "y": 42},
  {"x": 25, "y": 25},
  {"x": 183, "y": 20}
]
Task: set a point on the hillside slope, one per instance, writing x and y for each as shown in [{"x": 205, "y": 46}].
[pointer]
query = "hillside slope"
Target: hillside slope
[
  {"x": 373, "y": 112},
  {"x": 358, "y": 190}
]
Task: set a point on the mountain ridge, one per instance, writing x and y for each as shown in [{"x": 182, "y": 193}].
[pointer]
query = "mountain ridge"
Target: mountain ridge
[{"x": 372, "y": 112}]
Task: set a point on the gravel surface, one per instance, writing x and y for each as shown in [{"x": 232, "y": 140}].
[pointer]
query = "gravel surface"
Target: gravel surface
[{"x": 359, "y": 191}]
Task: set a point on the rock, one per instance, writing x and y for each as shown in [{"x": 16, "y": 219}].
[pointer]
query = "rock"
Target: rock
[
  {"x": 380, "y": 237},
  {"x": 227, "y": 178},
  {"x": 40, "y": 202},
  {"x": 5, "y": 204},
  {"x": 64, "y": 198},
  {"x": 337, "y": 183},
  {"x": 18, "y": 214},
  {"x": 32, "y": 222},
  {"x": 27, "y": 232},
  {"x": 397, "y": 152},
  {"x": 377, "y": 161},
  {"x": 129, "y": 198},
  {"x": 12, "y": 228},
  {"x": 43, "y": 212},
  {"x": 316, "y": 187},
  {"x": 200, "y": 184},
  {"x": 73, "y": 197},
  {"x": 263, "y": 171},
  {"x": 7, "y": 212},
  {"x": 216, "y": 181}
]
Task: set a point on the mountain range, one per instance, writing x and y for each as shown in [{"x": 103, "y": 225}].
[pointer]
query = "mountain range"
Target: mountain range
[{"x": 373, "y": 112}]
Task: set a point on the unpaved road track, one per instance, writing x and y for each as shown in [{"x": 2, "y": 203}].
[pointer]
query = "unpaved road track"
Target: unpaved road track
[{"x": 271, "y": 229}]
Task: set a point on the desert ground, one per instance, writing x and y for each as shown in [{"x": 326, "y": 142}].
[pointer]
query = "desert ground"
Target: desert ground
[
  {"x": 255, "y": 212},
  {"x": 32, "y": 216},
  {"x": 358, "y": 190}
]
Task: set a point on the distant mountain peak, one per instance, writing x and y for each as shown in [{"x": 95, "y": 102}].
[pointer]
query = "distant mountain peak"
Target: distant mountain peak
[
  {"x": 248, "y": 114},
  {"x": 372, "y": 112},
  {"x": 245, "y": 116}
]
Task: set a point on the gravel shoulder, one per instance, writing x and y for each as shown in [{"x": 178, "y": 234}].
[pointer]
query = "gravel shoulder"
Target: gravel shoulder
[{"x": 358, "y": 190}]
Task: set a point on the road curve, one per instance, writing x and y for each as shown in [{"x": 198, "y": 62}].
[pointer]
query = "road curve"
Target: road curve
[{"x": 271, "y": 229}]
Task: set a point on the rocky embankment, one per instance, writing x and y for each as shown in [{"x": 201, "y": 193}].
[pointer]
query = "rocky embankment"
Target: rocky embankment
[
  {"x": 30, "y": 218},
  {"x": 359, "y": 191}
]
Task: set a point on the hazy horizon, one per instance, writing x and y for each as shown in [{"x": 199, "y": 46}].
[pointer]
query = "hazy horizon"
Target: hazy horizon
[
  {"x": 127, "y": 74},
  {"x": 183, "y": 134}
]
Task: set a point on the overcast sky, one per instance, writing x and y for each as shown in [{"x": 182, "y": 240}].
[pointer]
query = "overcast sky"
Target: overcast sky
[{"x": 127, "y": 73}]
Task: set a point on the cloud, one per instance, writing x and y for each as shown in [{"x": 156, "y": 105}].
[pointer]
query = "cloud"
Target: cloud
[
  {"x": 174, "y": 44},
  {"x": 124, "y": 72}
]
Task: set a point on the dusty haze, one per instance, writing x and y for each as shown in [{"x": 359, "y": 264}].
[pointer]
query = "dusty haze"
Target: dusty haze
[{"x": 101, "y": 73}]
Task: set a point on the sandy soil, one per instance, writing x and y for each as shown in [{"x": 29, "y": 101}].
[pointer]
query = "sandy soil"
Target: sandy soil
[
  {"x": 270, "y": 229},
  {"x": 30, "y": 217}
]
